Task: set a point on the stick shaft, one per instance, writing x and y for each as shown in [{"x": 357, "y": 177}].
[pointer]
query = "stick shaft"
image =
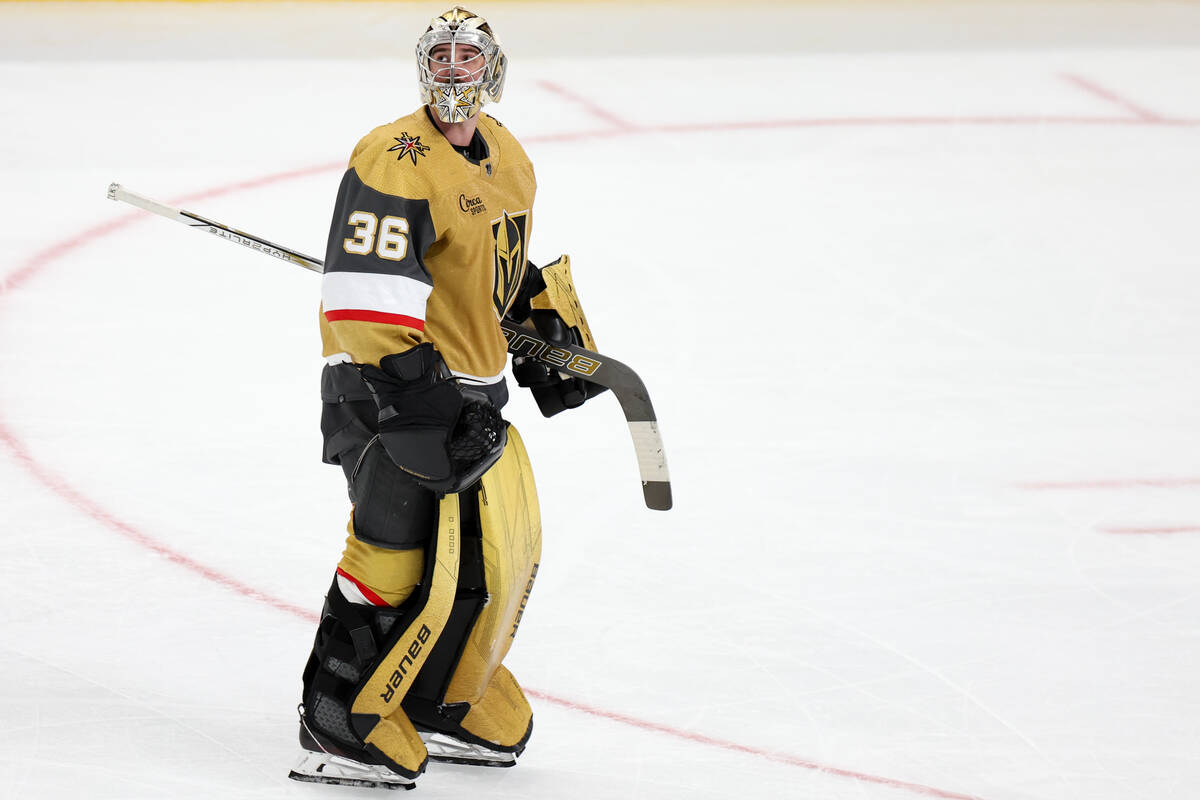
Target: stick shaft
[{"x": 118, "y": 192}]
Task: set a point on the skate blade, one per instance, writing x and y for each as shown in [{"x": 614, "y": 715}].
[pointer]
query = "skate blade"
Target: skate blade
[
  {"x": 448, "y": 750},
  {"x": 331, "y": 769}
]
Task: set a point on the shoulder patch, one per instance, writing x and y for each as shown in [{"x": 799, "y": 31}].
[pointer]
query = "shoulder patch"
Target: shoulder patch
[{"x": 408, "y": 146}]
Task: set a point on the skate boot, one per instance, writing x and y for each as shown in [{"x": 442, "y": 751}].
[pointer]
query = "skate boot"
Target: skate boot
[
  {"x": 336, "y": 746},
  {"x": 323, "y": 761}
]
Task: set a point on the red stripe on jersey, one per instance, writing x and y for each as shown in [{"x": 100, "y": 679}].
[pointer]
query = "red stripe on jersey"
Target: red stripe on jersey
[
  {"x": 362, "y": 587},
  {"x": 363, "y": 315}
]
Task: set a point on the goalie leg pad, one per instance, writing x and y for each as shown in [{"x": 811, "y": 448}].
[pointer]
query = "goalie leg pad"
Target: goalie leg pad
[
  {"x": 343, "y": 652},
  {"x": 365, "y": 659},
  {"x": 502, "y": 717},
  {"x": 479, "y": 701}
]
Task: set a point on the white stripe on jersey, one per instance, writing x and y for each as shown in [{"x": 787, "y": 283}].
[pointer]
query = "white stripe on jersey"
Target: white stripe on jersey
[
  {"x": 463, "y": 376},
  {"x": 368, "y": 291}
]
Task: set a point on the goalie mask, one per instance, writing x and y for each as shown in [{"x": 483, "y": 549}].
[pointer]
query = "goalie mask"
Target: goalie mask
[{"x": 460, "y": 65}]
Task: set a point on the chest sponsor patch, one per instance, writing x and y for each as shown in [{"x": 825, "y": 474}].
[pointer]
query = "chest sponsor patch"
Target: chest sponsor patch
[{"x": 471, "y": 205}]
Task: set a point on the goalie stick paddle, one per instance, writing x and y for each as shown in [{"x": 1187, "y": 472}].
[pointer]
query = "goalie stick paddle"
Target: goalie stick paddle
[{"x": 622, "y": 381}]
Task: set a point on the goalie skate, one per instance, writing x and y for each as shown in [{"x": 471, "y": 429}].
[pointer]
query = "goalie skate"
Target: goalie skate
[
  {"x": 327, "y": 768},
  {"x": 322, "y": 761},
  {"x": 449, "y": 750}
]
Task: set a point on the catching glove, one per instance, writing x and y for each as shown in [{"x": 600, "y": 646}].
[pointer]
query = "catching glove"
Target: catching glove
[{"x": 443, "y": 436}]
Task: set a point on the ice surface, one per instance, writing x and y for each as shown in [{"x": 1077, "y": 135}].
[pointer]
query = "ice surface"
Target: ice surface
[{"x": 918, "y": 309}]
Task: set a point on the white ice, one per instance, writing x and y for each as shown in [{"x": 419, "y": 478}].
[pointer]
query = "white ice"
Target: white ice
[{"x": 914, "y": 291}]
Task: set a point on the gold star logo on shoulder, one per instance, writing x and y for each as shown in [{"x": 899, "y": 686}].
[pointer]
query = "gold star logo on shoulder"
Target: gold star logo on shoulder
[{"x": 408, "y": 146}]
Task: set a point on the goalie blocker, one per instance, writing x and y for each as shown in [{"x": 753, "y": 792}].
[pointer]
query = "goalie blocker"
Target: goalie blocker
[{"x": 549, "y": 301}]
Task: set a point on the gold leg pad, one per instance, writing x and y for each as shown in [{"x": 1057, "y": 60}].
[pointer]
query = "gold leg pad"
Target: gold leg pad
[
  {"x": 503, "y": 715},
  {"x": 396, "y": 738},
  {"x": 381, "y": 694},
  {"x": 511, "y": 526}
]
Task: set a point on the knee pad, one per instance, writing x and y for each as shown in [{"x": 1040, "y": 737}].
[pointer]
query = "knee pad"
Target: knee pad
[
  {"x": 391, "y": 510},
  {"x": 464, "y": 691},
  {"x": 366, "y": 659}
]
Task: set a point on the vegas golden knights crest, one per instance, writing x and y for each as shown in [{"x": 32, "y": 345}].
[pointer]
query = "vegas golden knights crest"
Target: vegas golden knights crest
[{"x": 511, "y": 232}]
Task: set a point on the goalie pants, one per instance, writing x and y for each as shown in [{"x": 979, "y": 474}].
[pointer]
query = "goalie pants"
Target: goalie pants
[{"x": 425, "y": 605}]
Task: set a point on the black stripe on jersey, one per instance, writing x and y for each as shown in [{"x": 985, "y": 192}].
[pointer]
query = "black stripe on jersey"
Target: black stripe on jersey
[{"x": 354, "y": 195}]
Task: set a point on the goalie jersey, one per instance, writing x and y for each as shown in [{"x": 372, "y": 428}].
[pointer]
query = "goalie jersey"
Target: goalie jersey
[{"x": 427, "y": 245}]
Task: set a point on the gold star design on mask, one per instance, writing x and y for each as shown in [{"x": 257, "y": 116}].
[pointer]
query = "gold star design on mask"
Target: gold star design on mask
[{"x": 456, "y": 103}]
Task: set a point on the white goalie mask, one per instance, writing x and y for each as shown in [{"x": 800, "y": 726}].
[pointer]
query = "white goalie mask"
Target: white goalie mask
[{"x": 460, "y": 65}]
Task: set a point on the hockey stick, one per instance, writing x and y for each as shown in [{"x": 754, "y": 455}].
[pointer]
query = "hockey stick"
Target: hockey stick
[{"x": 522, "y": 341}]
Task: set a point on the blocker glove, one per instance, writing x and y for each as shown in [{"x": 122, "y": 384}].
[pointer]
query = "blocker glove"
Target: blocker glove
[
  {"x": 443, "y": 436},
  {"x": 554, "y": 391}
]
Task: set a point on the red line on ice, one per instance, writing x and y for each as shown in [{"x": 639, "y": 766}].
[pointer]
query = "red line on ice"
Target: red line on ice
[
  {"x": 852, "y": 122},
  {"x": 821, "y": 122},
  {"x": 60, "y": 486},
  {"x": 594, "y": 109},
  {"x": 32, "y": 265},
  {"x": 1095, "y": 89},
  {"x": 770, "y": 755},
  {"x": 621, "y": 127},
  {"x": 263, "y": 180}
]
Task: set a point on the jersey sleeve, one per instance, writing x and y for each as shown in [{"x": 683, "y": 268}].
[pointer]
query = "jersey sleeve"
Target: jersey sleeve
[{"x": 376, "y": 285}]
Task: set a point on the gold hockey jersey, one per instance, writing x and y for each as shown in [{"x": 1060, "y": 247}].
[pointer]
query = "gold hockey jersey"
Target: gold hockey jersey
[{"x": 427, "y": 245}]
